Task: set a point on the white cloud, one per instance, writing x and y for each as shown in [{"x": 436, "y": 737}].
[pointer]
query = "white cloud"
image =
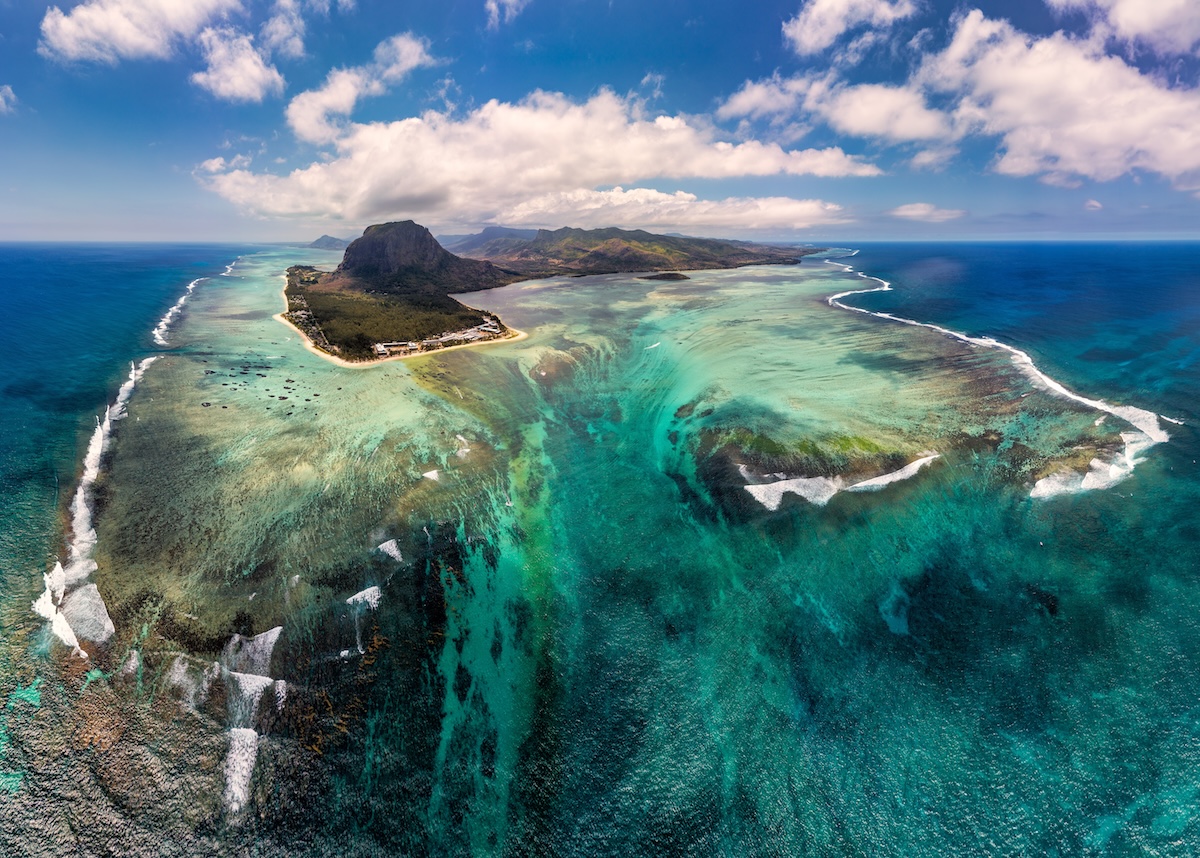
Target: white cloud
[
  {"x": 509, "y": 8},
  {"x": 503, "y": 155},
  {"x": 820, "y": 23},
  {"x": 876, "y": 110},
  {"x": 897, "y": 113},
  {"x": 654, "y": 82},
  {"x": 399, "y": 55},
  {"x": 1168, "y": 26},
  {"x": 236, "y": 71},
  {"x": 108, "y": 30},
  {"x": 645, "y": 208},
  {"x": 926, "y": 212},
  {"x": 935, "y": 159},
  {"x": 310, "y": 113},
  {"x": 1063, "y": 108},
  {"x": 8, "y": 99},
  {"x": 219, "y": 164},
  {"x": 283, "y": 33},
  {"x": 775, "y": 96},
  {"x": 1093, "y": 205}
]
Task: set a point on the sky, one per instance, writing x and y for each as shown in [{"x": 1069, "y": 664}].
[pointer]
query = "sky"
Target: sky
[{"x": 804, "y": 120}]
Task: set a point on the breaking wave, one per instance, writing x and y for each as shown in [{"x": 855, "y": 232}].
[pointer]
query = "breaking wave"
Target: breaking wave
[{"x": 1101, "y": 473}]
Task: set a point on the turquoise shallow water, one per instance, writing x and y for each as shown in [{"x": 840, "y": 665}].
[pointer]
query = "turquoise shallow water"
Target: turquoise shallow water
[{"x": 518, "y": 600}]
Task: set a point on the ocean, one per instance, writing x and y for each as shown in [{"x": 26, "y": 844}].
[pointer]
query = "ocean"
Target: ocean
[{"x": 760, "y": 562}]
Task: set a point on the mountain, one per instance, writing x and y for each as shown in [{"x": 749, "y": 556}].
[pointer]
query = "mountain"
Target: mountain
[
  {"x": 493, "y": 240},
  {"x": 393, "y": 286},
  {"x": 612, "y": 250},
  {"x": 328, "y": 242},
  {"x": 395, "y": 281},
  {"x": 404, "y": 258}
]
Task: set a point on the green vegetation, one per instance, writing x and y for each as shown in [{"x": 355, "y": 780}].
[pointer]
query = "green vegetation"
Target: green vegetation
[
  {"x": 612, "y": 250},
  {"x": 347, "y": 323}
]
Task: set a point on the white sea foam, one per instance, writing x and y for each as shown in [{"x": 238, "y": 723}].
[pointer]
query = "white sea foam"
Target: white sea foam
[
  {"x": 46, "y": 607},
  {"x": 80, "y": 564},
  {"x": 369, "y": 597},
  {"x": 815, "y": 490},
  {"x": 245, "y": 691},
  {"x": 819, "y": 490},
  {"x": 164, "y": 326},
  {"x": 656, "y": 345},
  {"x": 86, "y": 614},
  {"x": 192, "y": 680},
  {"x": 239, "y": 767},
  {"x": 392, "y": 550},
  {"x": 253, "y": 654},
  {"x": 877, "y": 483},
  {"x": 361, "y": 601},
  {"x": 1101, "y": 474}
]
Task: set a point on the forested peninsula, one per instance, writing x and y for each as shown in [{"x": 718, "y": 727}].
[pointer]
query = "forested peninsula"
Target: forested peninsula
[{"x": 391, "y": 294}]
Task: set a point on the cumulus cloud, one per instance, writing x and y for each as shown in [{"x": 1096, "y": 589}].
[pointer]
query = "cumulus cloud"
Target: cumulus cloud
[
  {"x": 1168, "y": 26},
  {"x": 820, "y": 23},
  {"x": 897, "y": 113},
  {"x": 646, "y": 208},
  {"x": 1063, "y": 108},
  {"x": 508, "y": 8},
  {"x": 109, "y": 30},
  {"x": 926, "y": 212},
  {"x": 313, "y": 115},
  {"x": 236, "y": 71},
  {"x": 481, "y": 166},
  {"x": 283, "y": 33},
  {"x": 8, "y": 99}
]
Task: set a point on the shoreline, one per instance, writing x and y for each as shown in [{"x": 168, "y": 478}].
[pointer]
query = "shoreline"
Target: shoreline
[{"x": 516, "y": 337}]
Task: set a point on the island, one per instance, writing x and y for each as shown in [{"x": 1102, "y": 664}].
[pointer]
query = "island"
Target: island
[
  {"x": 665, "y": 275},
  {"x": 391, "y": 296}
]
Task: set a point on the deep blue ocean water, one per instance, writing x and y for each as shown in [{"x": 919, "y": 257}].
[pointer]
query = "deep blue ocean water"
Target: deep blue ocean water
[
  {"x": 75, "y": 315},
  {"x": 1123, "y": 317}
]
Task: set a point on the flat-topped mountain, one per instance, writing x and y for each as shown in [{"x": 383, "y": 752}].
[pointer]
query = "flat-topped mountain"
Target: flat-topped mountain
[
  {"x": 613, "y": 250},
  {"x": 393, "y": 287},
  {"x": 404, "y": 257}
]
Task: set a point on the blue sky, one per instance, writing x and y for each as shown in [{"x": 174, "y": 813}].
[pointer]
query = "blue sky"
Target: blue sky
[{"x": 808, "y": 120}]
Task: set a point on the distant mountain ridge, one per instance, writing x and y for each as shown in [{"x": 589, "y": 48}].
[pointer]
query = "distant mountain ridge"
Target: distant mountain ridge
[
  {"x": 493, "y": 240},
  {"x": 613, "y": 251}
]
